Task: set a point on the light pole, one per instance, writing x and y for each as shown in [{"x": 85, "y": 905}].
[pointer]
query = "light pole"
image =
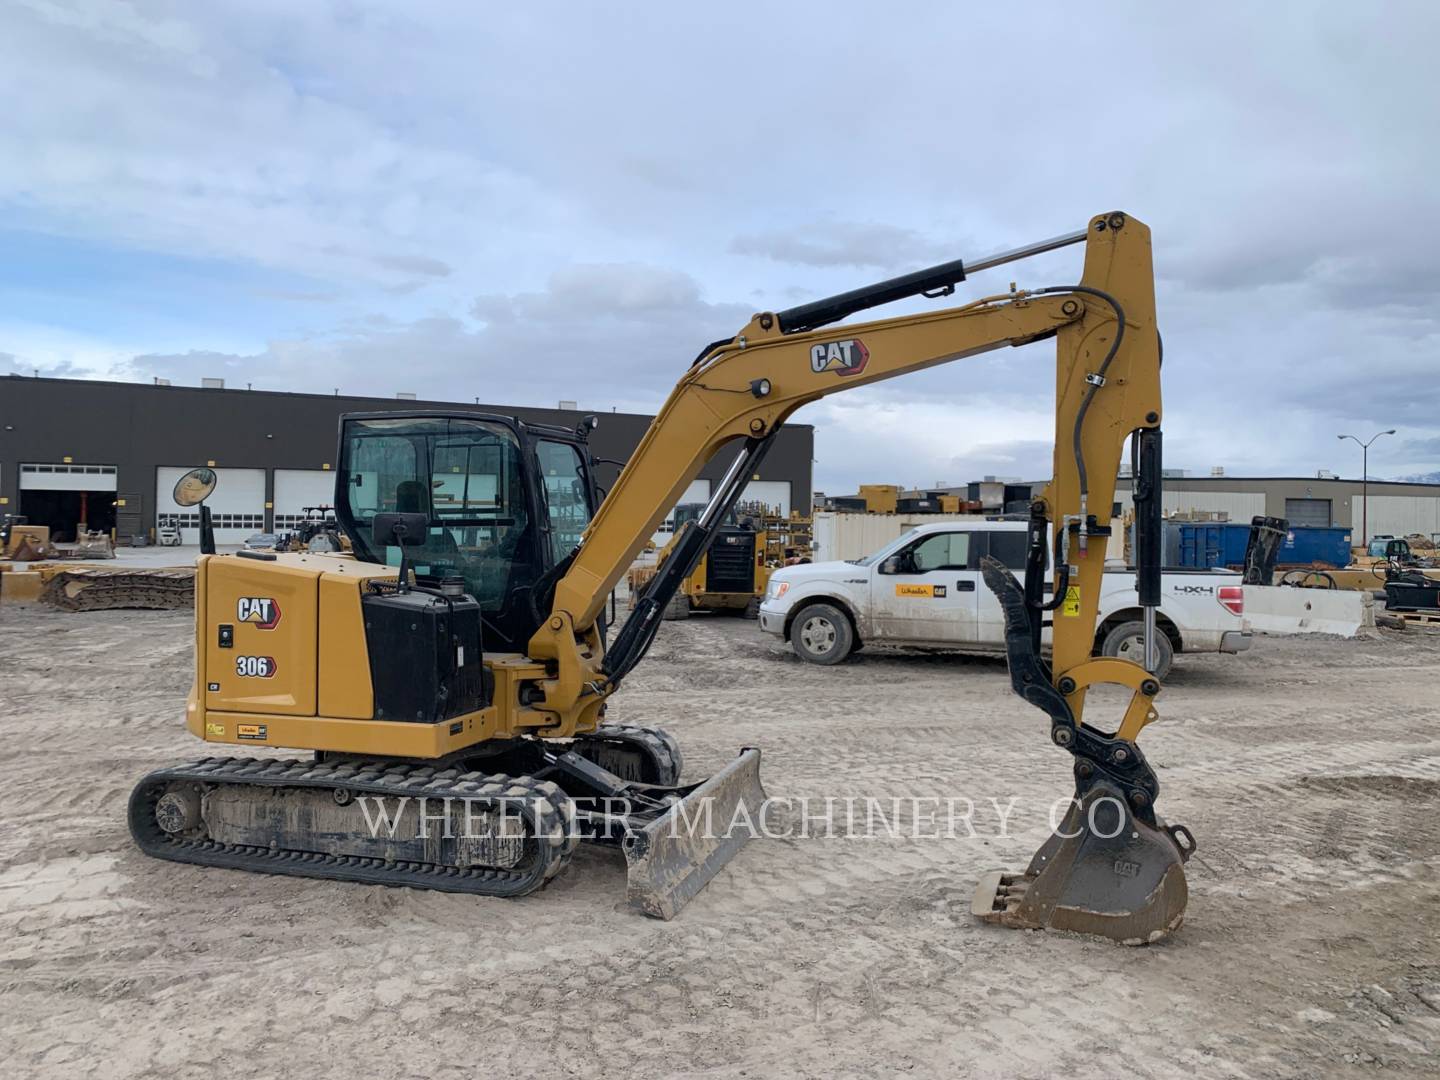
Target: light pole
[{"x": 1365, "y": 484}]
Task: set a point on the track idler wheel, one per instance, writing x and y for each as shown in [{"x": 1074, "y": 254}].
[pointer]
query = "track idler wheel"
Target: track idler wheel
[{"x": 1104, "y": 871}]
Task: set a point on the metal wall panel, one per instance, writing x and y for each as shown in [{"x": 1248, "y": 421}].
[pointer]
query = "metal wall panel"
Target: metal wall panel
[
  {"x": 1240, "y": 505},
  {"x": 1400, "y": 515}
]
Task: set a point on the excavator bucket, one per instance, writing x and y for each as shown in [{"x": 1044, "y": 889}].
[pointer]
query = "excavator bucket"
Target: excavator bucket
[
  {"x": 1103, "y": 871},
  {"x": 673, "y": 857}
]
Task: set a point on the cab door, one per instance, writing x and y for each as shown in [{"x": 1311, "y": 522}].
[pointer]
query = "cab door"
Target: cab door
[{"x": 928, "y": 591}]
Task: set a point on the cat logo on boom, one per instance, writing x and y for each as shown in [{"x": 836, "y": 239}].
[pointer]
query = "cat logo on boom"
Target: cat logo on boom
[
  {"x": 261, "y": 612},
  {"x": 842, "y": 357}
]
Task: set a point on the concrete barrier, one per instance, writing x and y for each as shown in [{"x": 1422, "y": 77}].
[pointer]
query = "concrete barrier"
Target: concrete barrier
[
  {"x": 1273, "y": 609},
  {"x": 20, "y": 587}
]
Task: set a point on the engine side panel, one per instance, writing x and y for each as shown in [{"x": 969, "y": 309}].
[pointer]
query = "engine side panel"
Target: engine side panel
[{"x": 259, "y": 642}]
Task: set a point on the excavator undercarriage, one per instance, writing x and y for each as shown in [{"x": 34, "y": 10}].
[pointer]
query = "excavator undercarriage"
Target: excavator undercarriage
[{"x": 501, "y": 824}]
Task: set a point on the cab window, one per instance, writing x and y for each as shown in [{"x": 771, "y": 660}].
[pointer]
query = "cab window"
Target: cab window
[
  {"x": 567, "y": 495},
  {"x": 466, "y": 476}
]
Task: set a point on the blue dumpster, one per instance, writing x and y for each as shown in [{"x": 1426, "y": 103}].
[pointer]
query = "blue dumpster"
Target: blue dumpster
[
  {"x": 1202, "y": 544},
  {"x": 1307, "y": 545}
]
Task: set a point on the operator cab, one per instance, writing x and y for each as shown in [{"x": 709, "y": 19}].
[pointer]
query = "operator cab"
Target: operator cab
[{"x": 506, "y": 502}]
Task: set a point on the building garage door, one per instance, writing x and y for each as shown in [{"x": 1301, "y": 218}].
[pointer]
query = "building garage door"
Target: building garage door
[
  {"x": 296, "y": 489},
  {"x": 697, "y": 492},
  {"x": 237, "y": 505},
  {"x": 1308, "y": 512},
  {"x": 68, "y": 497},
  {"x": 772, "y": 493}
]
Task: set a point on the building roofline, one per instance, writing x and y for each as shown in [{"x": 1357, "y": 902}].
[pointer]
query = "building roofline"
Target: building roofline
[
  {"x": 1290, "y": 480},
  {"x": 393, "y": 402}
]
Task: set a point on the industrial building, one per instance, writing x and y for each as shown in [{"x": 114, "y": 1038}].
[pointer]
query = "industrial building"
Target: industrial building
[
  {"x": 1394, "y": 508},
  {"x": 106, "y": 455}
]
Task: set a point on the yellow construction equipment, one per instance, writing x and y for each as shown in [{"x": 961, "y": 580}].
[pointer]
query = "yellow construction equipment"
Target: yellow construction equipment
[
  {"x": 22, "y": 542},
  {"x": 880, "y": 498},
  {"x": 731, "y": 575},
  {"x": 459, "y": 658}
]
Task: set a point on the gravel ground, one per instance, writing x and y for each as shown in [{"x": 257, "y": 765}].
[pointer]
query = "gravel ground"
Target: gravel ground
[{"x": 1308, "y": 769}]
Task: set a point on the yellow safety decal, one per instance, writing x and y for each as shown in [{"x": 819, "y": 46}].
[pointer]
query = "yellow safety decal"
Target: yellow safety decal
[
  {"x": 914, "y": 590},
  {"x": 1072, "y": 601},
  {"x": 214, "y": 729}
]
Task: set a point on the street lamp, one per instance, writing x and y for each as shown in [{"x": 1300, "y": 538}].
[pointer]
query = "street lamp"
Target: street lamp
[{"x": 1365, "y": 483}]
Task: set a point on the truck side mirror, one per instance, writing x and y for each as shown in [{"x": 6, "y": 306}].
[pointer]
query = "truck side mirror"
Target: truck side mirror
[{"x": 890, "y": 565}]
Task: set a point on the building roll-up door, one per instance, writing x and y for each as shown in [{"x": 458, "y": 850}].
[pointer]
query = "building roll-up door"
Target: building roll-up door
[
  {"x": 69, "y": 498},
  {"x": 697, "y": 492},
  {"x": 1308, "y": 512},
  {"x": 296, "y": 489},
  {"x": 774, "y": 495},
  {"x": 237, "y": 505}
]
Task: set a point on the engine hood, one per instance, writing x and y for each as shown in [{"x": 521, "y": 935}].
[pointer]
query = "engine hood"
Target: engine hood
[{"x": 821, "y": 571}]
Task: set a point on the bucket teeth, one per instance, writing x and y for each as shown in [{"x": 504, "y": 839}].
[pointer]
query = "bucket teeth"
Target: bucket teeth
[{"x": 1103, "y": 871}]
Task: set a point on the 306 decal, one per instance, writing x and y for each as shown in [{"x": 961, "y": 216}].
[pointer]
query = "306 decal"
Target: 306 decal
[{"x": 255, "y": 667}]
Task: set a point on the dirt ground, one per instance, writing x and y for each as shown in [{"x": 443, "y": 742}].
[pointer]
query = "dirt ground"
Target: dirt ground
[{"x": 1309, "y": 771}]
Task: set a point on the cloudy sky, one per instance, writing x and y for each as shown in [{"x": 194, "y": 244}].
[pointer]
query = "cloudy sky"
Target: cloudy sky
[{"x": 533, "y": 202}]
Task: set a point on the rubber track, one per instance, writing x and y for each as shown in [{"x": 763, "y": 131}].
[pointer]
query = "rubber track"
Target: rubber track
[
  {"x": 662, "y": 747},
  {"x": 548, "y": 814}
]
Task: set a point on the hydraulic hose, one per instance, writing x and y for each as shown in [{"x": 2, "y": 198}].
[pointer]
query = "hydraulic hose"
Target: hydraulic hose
[{"x": 1081, "y": 472}]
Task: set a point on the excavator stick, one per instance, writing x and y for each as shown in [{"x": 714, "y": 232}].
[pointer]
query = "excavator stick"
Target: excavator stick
[
  {"x": 1103, "y": 871},
  {"x": 674, "y": 856},
  {"x": 1112, "y": 868}
]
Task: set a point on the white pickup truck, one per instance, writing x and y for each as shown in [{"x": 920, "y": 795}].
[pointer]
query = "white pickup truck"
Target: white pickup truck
[{"x": 925, "y": 589}]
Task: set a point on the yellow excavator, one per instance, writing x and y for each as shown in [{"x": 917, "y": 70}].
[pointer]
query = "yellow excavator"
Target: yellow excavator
[{"x": 456, "y": 666}]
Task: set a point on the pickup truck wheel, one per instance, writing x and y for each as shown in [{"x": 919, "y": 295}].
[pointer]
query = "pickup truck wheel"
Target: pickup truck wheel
[
  {"x": 1127, "y": 642},
  {"x": 821, "y": 634}
]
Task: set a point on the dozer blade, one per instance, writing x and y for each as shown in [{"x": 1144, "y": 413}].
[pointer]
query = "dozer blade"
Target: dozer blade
[
  {"x": 673, "y": 857},
  {"x": 1103, "y": 871}
]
